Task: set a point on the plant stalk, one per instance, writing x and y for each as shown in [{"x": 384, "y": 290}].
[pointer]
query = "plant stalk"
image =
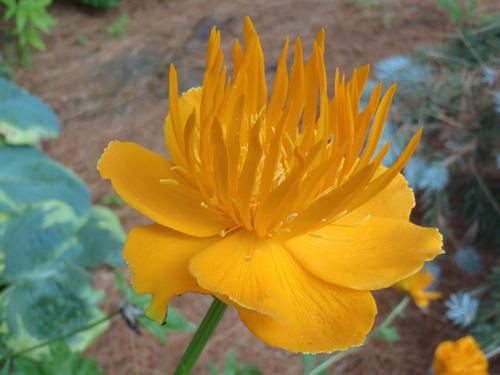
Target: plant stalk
[{"x": 201, "y": 337}]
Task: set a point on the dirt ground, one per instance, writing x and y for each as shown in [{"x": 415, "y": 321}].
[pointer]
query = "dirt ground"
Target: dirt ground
[{"x": 116, "y": 88}]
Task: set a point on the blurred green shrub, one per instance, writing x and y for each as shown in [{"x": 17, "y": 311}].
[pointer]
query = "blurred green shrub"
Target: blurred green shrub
[{"x": 29, "y": 18}]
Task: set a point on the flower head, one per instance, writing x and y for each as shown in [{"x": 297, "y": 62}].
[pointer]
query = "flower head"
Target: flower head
[
  {"x": 416, "y": 286},
  {"x": 277, "y": 204},
  {"x": 468, "y": 260},
  {"x": 462, "y": 357},
  {"x": 462, "y": 309}
]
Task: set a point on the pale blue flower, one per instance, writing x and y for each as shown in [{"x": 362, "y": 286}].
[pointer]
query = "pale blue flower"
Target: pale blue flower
[
  {"x": 468, "y": 260},
  {"x": 462, "y": 309}
]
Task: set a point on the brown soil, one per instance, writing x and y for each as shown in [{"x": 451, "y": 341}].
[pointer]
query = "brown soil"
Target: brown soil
[{"x": 116, "y": 89}]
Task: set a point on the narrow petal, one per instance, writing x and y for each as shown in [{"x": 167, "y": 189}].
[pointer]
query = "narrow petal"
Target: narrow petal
[
  {"x": 279, "y": 301},
  {"x": 371, "y": 255},
  {"x": 188, "y": 102},
  {"x": 135, "y": 173},
  {"x": 159, "y": 258}
]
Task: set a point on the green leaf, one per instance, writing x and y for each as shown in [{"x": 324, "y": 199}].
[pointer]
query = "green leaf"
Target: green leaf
[
  {"x": 63, "y": 361},
  {"x": 100, "y": 3},
  {"x": 389, "y": 334},
  {"x": 111, "y": 200},
  {"x": 34, "y": 39},
  {"x": 29, "y": 177},
  {"x": 45, "y": 308},
  {"x": 176, "y": 322},
  {"x": 33, "y": 239},
  {"x": 154, "y": 328},
  {"x": 11, "y": 9},
  {"x": 117, "y": 28},
  {"x": 5, "y": 370},
  {"x": 24, "y": 118},
  {"x": 233, "y": 367},
  {"x": 21, "y": 17},
  {"x": 311, "y": 361},
  {"x": 47, "y": 296},
  {"x": 59, "y": 361},
  {"x": 100, "y": 240}
]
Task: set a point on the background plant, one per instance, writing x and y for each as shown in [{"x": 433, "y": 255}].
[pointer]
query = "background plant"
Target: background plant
[
  {"x": 51, "y": 238},
  {"x": 28, "y": 21},
  {"x": 453, "y": 92},
  {"x": 29, "y": 18}
]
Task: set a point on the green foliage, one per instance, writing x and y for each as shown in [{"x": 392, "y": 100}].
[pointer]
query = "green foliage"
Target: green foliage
[
  {"x": 389, "y": 334},
  {"x": 100, "y": 3},
  {"x": 451, "y": 90},
  {"x": 117, "y": 28},
  {"x": 82, "y": 39},
  {"x": 486, "y": 328},
  {"x": 176, "y": 322},
  {"x": 99, "y": 240},
  {"x": 60, "y": 360},
  {"x": 28, "y": 177},
  {"x": 311, "y": 361},
  {"x": 45, "y": 295},
  {"x": 50, "y": 237},
  {"x": 112, "y": 199},
  {"x": 24, "y": 118},
  {"x": 29, "y": 18},
  {"x": 460, "y": 12},
  {"x": 233, "y": 367}
]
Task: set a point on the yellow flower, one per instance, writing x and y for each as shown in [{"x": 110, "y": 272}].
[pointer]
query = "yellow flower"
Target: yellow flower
[
  {"x": 416, "y": 286},
  {"x": 278, "y": 207},
  {"x": 463, "y": 357}
]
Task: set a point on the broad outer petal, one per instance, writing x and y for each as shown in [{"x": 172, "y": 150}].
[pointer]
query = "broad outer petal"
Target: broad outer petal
[
  {"x": 135, "y": 173},
  {"x": 372, "y": 255},
  {"x": 396, "y": 201},
  {"x": 279, "y": 301},
  {"x": 158, "y": 258}
]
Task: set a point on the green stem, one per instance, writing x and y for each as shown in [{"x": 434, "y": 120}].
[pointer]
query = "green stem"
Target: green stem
[
  {"x": 330, "y": 361},
  {"x": 387, "y": 322},
  {"x": 200, "y": 338},
  {"x": 398, "y": 310},
  {"x": 65, "y": 336}
]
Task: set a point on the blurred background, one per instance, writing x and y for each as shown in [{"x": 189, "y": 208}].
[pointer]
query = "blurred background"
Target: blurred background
[{"x": 78, "y": 74}]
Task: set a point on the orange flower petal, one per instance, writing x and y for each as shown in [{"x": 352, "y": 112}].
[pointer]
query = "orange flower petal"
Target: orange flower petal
[
  {"x": 187, "y": 103},
  {"x": 135, "y": 173},
  {"x": 395, "y": 201},
  {"x": 416, "y": 286},
  {"x": 372, "y": 255},
  {"x": 283, "y": 304},
  {"x": 158, "y": 258},
  {"x": 325, "y": 318},
  {"x": 463, "y": 357}
]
